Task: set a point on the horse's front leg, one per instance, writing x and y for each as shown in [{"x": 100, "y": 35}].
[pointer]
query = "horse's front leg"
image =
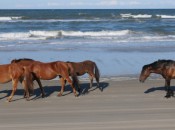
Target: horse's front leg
[
  {"x": 168, "y": 89},
  {"x": 14, "y": 84}
]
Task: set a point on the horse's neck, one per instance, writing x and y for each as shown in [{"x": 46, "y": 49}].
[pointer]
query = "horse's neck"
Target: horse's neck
[{"x": 157, "y": 71}]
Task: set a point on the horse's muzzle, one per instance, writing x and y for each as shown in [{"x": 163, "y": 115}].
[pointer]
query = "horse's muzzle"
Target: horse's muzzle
[{"x": 141, "y": 81}]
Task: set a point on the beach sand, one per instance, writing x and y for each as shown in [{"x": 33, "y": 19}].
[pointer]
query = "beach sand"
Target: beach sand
[{"x": 124, "y": 104}]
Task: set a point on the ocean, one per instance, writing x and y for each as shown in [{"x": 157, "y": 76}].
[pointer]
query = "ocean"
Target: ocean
[{"x": 120, "y": 41}]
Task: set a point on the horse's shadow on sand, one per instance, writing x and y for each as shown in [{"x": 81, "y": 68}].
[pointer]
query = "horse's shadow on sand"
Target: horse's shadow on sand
[
  {"x": 49, "y": 90},
  {"x": 19, "y": 92},
  {"x": 161, "y": 88},
  {"x": 84, "y": 89}
]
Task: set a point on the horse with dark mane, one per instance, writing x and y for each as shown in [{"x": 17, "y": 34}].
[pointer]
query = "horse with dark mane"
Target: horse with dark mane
[
  {"x": 84, "y": 67},
  {"x": 13, "y": 72},
  {"x": 48, "y": 71},
  {"x": 166, "y": 68}
]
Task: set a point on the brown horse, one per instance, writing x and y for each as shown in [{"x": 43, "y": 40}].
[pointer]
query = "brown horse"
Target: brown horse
[
  {"x": 166, "y": 68},
  {"x": 26, "y": 62},
  {"x": 82, "y": 68},
  {"x": 13, "y": 72},
  {"x": 48, "y": 71}
]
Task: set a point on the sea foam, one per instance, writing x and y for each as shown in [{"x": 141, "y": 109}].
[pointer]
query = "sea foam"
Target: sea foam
[
  {"x": 136, "y": 16},
  {"x": 166, "y": 16},
  {"x": 34, "y": 35},
  {"x": 140, "y": 16},
  {"x": 9, "y": 18}
]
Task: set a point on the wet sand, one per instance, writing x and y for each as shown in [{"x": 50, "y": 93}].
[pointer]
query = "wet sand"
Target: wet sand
[{"x": 124, "y": 104}]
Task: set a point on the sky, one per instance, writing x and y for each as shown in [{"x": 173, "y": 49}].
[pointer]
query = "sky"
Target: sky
[{"x": 87, "y": 4}]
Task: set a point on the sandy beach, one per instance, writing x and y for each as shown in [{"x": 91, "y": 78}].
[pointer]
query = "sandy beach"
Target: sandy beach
[{"x": 124, "y": 104}]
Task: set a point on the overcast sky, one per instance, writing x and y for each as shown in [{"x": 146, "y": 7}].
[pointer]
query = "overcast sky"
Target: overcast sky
[{"x": 87, "y": 4}]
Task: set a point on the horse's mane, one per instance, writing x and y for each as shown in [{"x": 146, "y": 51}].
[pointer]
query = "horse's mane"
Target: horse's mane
[
  {"x": 18, "y": 60},
  {"x": 160, "y": 63}
]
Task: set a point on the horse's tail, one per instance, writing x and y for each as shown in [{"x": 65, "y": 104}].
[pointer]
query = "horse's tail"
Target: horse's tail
[
  {"x": 97, "y": 74},
  {"x": 29, "y": 80},
  {"x": 75, "y": 80},
  {"x": 74, "y": 76}
]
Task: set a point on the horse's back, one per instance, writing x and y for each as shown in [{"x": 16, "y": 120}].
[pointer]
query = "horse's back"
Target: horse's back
[{"x": 88, "y": 62}]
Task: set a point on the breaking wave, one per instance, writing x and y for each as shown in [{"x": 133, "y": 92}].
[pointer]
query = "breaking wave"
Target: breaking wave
[
  {"x": 117, "y": 36},
  {"x": 166, "y": 16},
  {"x": 9, "y": 18},
  {"x": 58, "y": 34},
  {"x": 146, "y": 16},
  {"x": 136, "y": 16}
]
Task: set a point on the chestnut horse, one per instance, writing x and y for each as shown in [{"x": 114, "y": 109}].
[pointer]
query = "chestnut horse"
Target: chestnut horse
[
  {"x": 48, "y": 71},
  {"x": 26, "y": 62},
  {"x": 84, "y": 67},
  {"x": 166, "y": 68},
  {"x": 13, "y": 72}
]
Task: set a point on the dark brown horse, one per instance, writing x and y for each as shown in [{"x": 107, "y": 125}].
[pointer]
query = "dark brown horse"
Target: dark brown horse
[
  {"x": 82, "y": 68},
  {"x": 166, "y": 68},
  {"x": 48, "y": 71},
  {"x": 13, "y": 72}
]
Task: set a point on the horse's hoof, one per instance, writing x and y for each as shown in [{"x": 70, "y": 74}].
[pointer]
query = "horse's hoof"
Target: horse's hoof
[
  {"x": 101, "y": 89},
  {"x": 8, "y": 100},
  {"x": 167, "y": 96},
  {"x": 59, "y": 95},
  {"x": 79, "y": 90},
  {"x": 172, "y": 93},
  {"x": 43, "y": 95},
  {"x": 27, "y": 99}
]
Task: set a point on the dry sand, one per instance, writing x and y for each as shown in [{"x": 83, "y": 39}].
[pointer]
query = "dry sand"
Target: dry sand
[{"x": 123, "y": 105}]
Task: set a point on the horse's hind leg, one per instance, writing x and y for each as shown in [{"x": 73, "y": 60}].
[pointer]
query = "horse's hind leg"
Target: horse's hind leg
[
  {"x": 71, "y": 84},
  {"x": 91, "y": 76},
  {"x": 15, "y": 83},
  {"x": 21, "y": 81},
  {"x": 40, "y": 86},
  {"x": 63, "y": 83},
  {"x": 26, "y": 91},
  {"x": 91, "y": 81}
]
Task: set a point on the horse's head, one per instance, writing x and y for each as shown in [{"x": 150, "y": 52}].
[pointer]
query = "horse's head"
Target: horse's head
[{"x": 146, "y": 70}]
